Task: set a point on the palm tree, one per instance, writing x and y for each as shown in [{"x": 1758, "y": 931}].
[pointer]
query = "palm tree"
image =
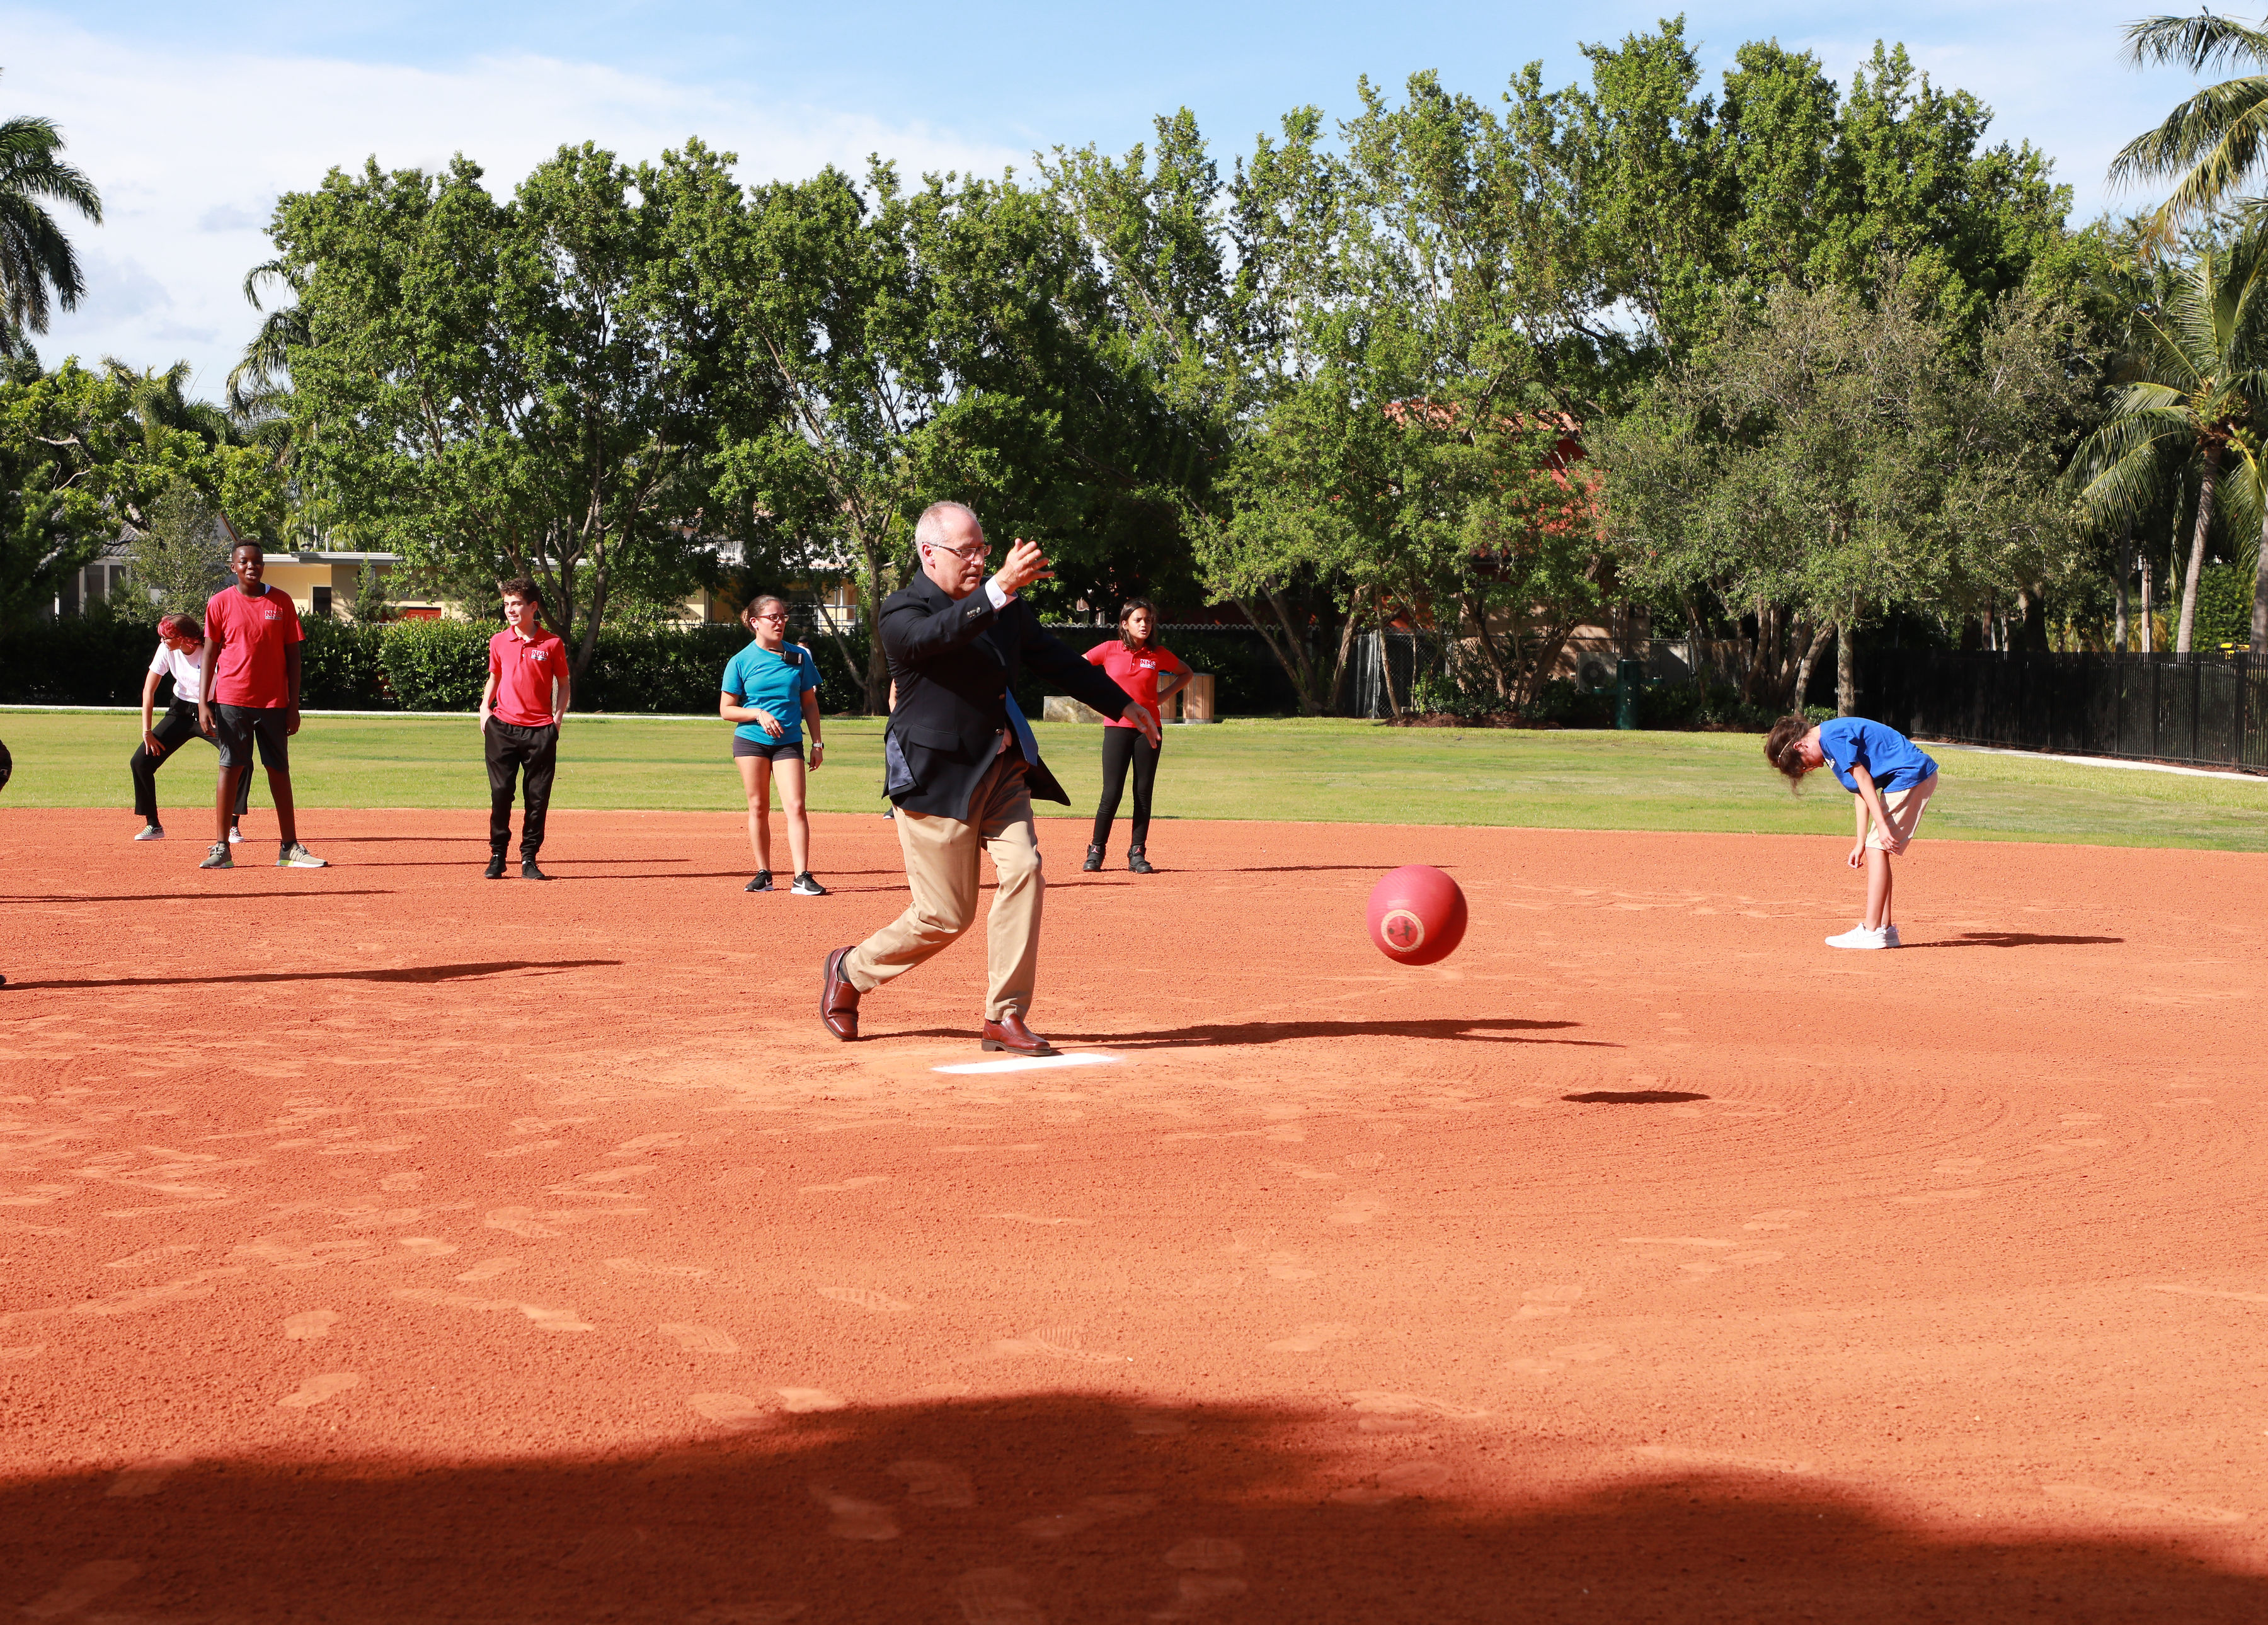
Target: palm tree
[
  {"x": 160, "y": 401},
  {"x": 2197, "y": 385},
  {"x": 2214, "y": 142},
  {"x": 36, "y": 259},
  {"x": 256, "y": 390}
]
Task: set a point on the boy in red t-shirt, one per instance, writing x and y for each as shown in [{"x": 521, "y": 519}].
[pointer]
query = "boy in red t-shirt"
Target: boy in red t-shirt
[
  {"x": 522, "y": 705},
  {"x": 249, "y": 692}
]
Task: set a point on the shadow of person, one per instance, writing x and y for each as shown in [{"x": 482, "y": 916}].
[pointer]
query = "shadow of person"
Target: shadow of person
[
  {"x": 1633, "y": 1097},
  {"x": 406, "y": 973},
  {"x": 1463, "y": 1029},
  {"x": 202, "y": 897},
  {"x": 1024, "y": 1505},
  {"x": 2016, "y": 939}
]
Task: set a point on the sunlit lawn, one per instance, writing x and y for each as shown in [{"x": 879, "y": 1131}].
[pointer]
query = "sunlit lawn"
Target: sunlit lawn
[{"x": 1328, "y": 770}]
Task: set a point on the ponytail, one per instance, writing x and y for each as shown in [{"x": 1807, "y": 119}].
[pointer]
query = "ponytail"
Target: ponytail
[{"x": 1780, "y": 749}]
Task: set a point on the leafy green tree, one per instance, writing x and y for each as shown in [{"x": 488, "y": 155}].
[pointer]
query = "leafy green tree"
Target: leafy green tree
[
  {"x": 1691, "y": 205},
  {"x": 1217, "y": 289},
  {"x": 182, "y": 556},
  {"x": 947, "y": 341},
  {"x": 822, "y": 308},
  {"x": 1355, "y": 343},
  {"x": 39, "y": 267},
  {"x": 1837, "y": 459},
  {"x": 494, "y": 387},
  {"x": 83, "y": 456}
]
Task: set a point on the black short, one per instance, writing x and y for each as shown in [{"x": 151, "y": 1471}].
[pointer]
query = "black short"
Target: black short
[
  {"x": 235, "y": 727},
  {"x": 770, "y": 749}
]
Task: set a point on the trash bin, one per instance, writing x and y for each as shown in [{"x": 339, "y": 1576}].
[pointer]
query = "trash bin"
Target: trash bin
[{"x": 1630, "y": 677}]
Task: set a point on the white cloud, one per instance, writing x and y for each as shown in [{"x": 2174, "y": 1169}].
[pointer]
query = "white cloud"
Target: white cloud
[
  {"x": 118, "y": 291},
  {"x": 188, "y": 149}
]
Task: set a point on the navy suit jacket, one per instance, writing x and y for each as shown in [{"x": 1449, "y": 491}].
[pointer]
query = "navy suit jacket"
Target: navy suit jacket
[{"x": 953, "y": 660}]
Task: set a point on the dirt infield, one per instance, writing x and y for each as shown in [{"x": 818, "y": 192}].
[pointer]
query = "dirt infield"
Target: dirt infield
[{"x": 380, "y": 1244}]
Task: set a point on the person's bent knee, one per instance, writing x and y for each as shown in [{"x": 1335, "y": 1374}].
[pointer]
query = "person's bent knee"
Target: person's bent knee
[
  {"x": 1022, "y": 870},
  {"x": 936, "y": 924}
]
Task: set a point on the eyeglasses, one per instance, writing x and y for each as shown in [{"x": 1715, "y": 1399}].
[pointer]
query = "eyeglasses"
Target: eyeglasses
[
  {"x": 774, "y": 616},
  {"x": 974, "y": 555}
]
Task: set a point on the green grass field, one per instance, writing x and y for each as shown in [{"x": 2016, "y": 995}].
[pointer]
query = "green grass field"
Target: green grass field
[{"x": 1327, "y": 770}]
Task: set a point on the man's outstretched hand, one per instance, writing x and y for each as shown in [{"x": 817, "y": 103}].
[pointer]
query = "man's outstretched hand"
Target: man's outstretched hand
[
  {"x": 1026, "y": 565},
  {"x": 1139, "y": 716}
]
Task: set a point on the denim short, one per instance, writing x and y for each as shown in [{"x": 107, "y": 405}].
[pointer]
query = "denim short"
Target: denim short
[
  {"x": 770, "y": 749},
  {"x": 235, "y": 727}
]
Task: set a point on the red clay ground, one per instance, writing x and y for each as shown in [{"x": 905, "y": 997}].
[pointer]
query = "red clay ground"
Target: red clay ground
[{"x": 380, "y": 1244}]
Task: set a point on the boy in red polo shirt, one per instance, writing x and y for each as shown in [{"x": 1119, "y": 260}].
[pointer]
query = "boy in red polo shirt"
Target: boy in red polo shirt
[
  {"x": 250, "y": 691},
  {"x": 521, "y": 707}
]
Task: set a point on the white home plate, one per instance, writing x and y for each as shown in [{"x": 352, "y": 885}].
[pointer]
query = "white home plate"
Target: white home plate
[{"x": 1030, "y": 1064}]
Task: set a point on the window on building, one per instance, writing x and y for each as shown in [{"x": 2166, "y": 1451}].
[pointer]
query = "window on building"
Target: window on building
[{"x": 322, "y": 603}]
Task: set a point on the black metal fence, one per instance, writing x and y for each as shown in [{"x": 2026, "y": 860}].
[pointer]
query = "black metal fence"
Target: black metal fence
[{"x": 2207, "y": 710}]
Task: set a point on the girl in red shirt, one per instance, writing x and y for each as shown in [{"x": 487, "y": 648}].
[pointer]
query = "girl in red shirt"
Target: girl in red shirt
[{"x": 1150, "y": 676}]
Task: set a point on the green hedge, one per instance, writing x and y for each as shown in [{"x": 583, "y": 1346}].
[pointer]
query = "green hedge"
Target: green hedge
[
  {"x": 2224, "y": 607},
  {"x": 84, "y": 660},
  {"x": 341, "y": 667},
  {"x": 434, "y": 666},
  {"x": 411, "y": 666}
]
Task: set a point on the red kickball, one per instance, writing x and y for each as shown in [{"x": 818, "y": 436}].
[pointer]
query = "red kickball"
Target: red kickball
[{"x": 1417, "y": 915}]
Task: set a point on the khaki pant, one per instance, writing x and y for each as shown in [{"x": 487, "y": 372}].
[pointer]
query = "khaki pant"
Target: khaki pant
[
  {"x": 1905, "y": 807},
  {"x": 942, "y": 862}
]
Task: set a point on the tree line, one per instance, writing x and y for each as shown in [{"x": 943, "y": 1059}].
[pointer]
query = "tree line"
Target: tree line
[{"x": 1776, "y": 361}]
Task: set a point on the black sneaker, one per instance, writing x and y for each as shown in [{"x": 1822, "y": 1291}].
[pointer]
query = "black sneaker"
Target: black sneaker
[
  {"x": 529, "y": 871},
  {"x": 805, "y": 886},
  {"x": 762, "y": 883},
  {"x": 1139, "y": 863},
  {"x": 496, "y": 867},
  {"x": 1093, "y": 859}
]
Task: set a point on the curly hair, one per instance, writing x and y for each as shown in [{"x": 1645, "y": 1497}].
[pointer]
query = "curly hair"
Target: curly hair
[{"x": 1780, "y": 749}]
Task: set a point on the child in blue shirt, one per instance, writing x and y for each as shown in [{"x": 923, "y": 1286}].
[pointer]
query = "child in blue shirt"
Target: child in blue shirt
[
  {"x": 1891, "y": 781},
  {"x": 771, "y": 691}
]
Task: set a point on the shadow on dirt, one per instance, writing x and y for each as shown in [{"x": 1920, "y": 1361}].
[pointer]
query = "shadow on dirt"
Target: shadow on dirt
[
  {"x": 407, "y": 973},
  {"x": 1056, "y": 1507},
  {"x": 1633, "y": 1097},
  {"x": 2016, "y": 939},
  {"x": 1462, "y": 1029},
  {"x": 205, "y": 897}
]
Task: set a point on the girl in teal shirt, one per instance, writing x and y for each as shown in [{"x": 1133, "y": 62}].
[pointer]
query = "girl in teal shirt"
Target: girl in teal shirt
[{"x": 771, "y": 691}]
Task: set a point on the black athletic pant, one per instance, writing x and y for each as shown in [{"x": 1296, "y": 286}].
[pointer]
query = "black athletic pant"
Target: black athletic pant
[
  {"x": 176, "y": 728},
  {"x": 511, "y": 748},
  {"x": 1121, "y": 745}
]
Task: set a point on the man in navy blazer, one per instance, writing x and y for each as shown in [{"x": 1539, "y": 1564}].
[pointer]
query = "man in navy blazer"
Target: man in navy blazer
[{"x": 962, "y": 772}]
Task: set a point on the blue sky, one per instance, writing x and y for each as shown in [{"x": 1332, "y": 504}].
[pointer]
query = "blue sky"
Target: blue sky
[{"x": 192, "y": 117}]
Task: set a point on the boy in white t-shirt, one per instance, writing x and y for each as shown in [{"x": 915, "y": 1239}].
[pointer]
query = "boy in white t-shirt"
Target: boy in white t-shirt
[{"x": 180, "y": 646}]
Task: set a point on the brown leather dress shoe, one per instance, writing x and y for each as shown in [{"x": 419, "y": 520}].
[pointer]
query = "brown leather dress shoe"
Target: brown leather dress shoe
[
  {"x": 1010, "y": 1034},
  {"x": 838, "y": 1000}
]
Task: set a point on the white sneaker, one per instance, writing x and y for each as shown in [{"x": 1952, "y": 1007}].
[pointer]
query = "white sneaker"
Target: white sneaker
[
  {"x": 1860, "y": 937},
  {"x": 1891, "y": 937},
  {"x": 234, "y": 834},
  {"x": 151, "y": 832}
]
